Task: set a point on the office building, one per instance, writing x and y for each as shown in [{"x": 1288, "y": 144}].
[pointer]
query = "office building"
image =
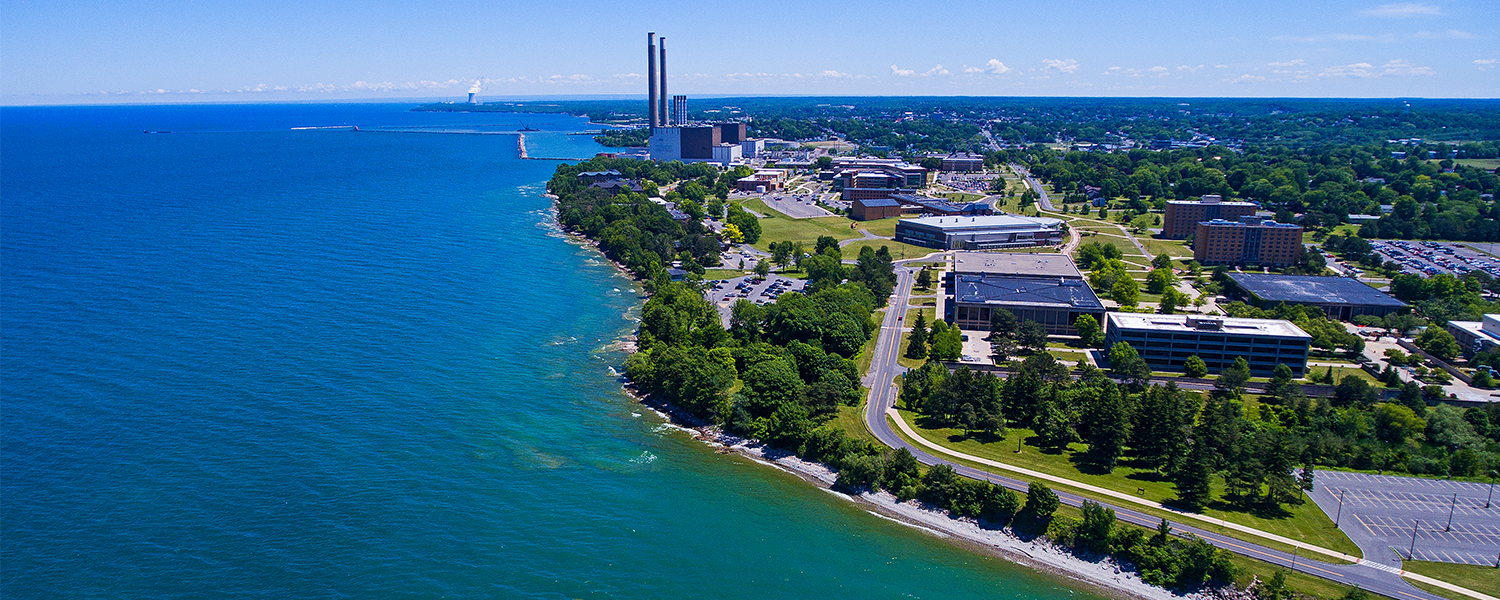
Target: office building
[
  {"x": 961, "y": 162},
  {"x": 762, "y": 181},
  {"x": 1249, "y": 241},
  {"x": 979, "y": 233},
  {"x": 1476, "y": 336},
  {"x": 1166, "y": 341},
  {"x": 1340, "y": 298},
  {"x": 1046, "y": 288},
  {"x": 1183, "y": 216},
  {"x": 874, "y": 208}
]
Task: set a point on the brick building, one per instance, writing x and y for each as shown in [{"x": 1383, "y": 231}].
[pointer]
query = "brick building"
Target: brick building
[
  {"x": 1248, "y": 241},
  {"x": 1183, "y": 216}
]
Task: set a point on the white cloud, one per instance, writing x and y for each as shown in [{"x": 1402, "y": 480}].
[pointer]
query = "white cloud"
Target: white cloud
[
  {"x": 1403, "y": 10},
  {"x": 1289, "y": 63},
  {"x": 899, "y": 72},
  {"x": 993, "y": 67},
  {"x": 938, "y": 70},
  {"x": 1063, "y": 66},
  {"x": 1451, "y": 34},
  {"x": 1189, "y": 69},
  {"x": 1395, "y": 68},
  {"x": 1485, "y": 64},
  {"x": 1246, "y": 78}
]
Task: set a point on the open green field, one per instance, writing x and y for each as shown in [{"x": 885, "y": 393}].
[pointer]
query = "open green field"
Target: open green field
[
  {"x": 1339, "y": 373},
  {"x": 1169, "y": 247},
  {"x": 898, "y": 250},
  {"x": 723, "y": 273},
  {"x": 1484, "y": 578},
  {"x": 961, "y": 196},
  {"x": 928, "y": 314},
  {"x": 1068, "y": 355},
  {"x": 852, "y": 421},
  {"x": 777, "y": 227},
  {"x": 880, "y": 227},
  {"x": 1305, "y": 522},
  {"x": 1481, "y": 163}
]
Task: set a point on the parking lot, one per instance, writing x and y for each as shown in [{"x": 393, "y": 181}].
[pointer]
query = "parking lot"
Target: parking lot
[
  {"x": 796, "y": 206},
  {"x": 1431, "y": 258},
  {"x": 975, "y": 183},
  {"x": 1380, "y": 512},
  {"x": 725, "y": 292}
]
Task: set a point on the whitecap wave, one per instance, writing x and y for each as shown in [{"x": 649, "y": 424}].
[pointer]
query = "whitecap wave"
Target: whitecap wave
[{"x": 645, "y": 458}]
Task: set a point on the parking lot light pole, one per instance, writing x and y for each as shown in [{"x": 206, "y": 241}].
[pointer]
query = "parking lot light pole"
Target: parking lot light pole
[
  {"x": 1410, "y": 551},
  {"x": 1449, "y": 526},
  {"x": 1491, "y": 496},
  {"x": 1341, "y": 510}
]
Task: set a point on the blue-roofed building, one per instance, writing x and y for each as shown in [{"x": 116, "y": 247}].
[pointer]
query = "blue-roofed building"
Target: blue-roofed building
[
  {"x": 1340, "y": 297},
  {"x": 874, "y": 208},
  {"x": 1046, "y": 288}
]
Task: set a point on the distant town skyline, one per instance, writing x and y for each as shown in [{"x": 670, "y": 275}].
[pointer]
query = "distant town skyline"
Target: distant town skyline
[{"x": 157, "y": 51}]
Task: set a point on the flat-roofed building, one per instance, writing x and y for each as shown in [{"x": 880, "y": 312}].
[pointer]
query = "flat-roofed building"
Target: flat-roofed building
[
  {"x": 908, "y": 175},
  {"x": 1248, "y": 241},
  {"x": 762, "y": 180},
  {"x": 1339, "y": 297},
  {"x": 1046, "y": 288},
  {"x": 874, "y": 208},
  {"x": 980, "y": 232},
  {"x": 1166, "y": 341},
  {"x": 1183, "y": 216},
  {"x": 1476, "y": 336},
  {"x": 962, "y": 162},
  {"x": 914, "y": 204}
]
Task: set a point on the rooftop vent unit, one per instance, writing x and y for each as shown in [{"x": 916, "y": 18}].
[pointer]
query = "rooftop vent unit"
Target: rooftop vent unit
[{"x": 1205, "y": 323}]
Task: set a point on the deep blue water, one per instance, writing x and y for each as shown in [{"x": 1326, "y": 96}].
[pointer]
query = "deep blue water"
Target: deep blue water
[{"x": 242, "y": 360}]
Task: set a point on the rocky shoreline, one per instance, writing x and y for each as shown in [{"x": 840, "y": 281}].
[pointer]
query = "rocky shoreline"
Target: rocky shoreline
[{"x": 1104, "y": 576}]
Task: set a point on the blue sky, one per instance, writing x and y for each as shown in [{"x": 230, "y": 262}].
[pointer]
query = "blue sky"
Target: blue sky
[{"x": 89, "y": 51}]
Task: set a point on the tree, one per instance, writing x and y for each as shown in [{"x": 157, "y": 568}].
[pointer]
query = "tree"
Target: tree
[
  {"x": 1003, "y": 323},
  {"x": 1088, "y": 331},
  {"x": 1233, "y": 378},
  {"x": 1161, "y": 261},
  {"x": 1127, "y": 364},
  {"x": 1195, "y": 367},
  {"x": 1106, "y": 418},
  {"x": 828, "y": 244},
  {"x": 1354, "y": 391},
  {"x": 1159, "y": 279},
  {"x": 762, "y": 267},
  {"x": 1171, "y": 298},
  {"x": 924, "y": 278},
  {"x": 946, "y": 342},
  {"x": 1193, "y": 479},
  {"x": 917, "y": 345},
  {"x": 1094, "y": 532},
  {"x": 732, "y": 234},
  {"x": 1032, "y": 336},
  {"x": 1126, "y": 292},
  {"x": 1041, "y": 501},
  {"x": 1439, "y": 343}
]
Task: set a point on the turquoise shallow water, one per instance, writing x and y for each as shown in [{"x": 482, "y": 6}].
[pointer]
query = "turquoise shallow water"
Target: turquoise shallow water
[{"x": 242, "y": 360}]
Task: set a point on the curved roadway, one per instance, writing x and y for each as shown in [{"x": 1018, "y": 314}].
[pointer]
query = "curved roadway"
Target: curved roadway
[{"x": 1372, "y": 577}]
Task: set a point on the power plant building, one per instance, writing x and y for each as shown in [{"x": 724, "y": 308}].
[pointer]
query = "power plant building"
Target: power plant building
[
  {"x": 1045, "y": 288},
  {"x": 672, "y": 137},
  {"x": 1166, "y": 341}
]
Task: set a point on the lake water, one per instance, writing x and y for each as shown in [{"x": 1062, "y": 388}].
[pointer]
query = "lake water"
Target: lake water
[{"x": 247, "y": 360}]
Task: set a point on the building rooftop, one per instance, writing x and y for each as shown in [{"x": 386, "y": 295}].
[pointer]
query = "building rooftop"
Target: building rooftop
[
  {"x": 1034, "y": 290},
  {"x": 1214, "y": 324},
  {"x": 1248, "y": 222},
  {"x": 985, "y": 222},
  {"x": 871, "y": 202},
  {"x": 1230, "y": 203},
  {"x": 1015, "y": 263},
  {"x": 1311, "y": 289}
]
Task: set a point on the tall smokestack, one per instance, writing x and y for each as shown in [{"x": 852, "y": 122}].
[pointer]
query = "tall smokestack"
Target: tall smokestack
[
  {"x": 651, "y": 116},
  {"x": 661, "y": 97}
]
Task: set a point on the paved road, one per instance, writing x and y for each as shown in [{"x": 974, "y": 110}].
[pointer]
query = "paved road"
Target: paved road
[
  {"x": 1036, "y": 186},
  {"x": 1379, "y": 512},
  {"x": 1372, "y": 577}
]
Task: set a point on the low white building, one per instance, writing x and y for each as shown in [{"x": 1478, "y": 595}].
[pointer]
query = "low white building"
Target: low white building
[{"x": 979, "y": 232}]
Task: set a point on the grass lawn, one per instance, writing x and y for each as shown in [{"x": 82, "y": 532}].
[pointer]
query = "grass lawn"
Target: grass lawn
[
  {"x": 1305, "y": 522},
  {"x": 898, "y": 250},
  {"x": 1078, "y": 357},
  {"x": 961, "y": 196},
  {"x": 1169, "y": 247},
  {"x": 852, "y": 421},
  {"x": 1483, "y": 163},
  {"x": 1339, "y": 373},
  {"x": 1475, "y": 577},
  {"x": 867, "y": 353},
  {"x": 1126, "y": 248},
  {"x": 777, "y": 227},
  {"x": 901, "y": 358},
  {"x": 881, "y": 227},
  {"x": 928, "y": 314},
  {"x": 925, "y": 302},
  {"x": 723, "y": 273}
]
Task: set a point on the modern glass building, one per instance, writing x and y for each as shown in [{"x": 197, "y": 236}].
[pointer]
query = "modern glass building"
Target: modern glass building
[{"x": 1166, "y": 341}]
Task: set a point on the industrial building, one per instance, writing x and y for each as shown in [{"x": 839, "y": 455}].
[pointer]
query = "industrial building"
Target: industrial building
[
  {"x": 1476, "y": 336},
  {"x": 1340, "y": 297},
  {"x": 1046, "y": 288},
  {"x": 1183, "y": 216},
  {"x": 1166, "y": 341},
  {"x": 672, "y": 136},
  {"x": 1249, "y": 241},
  {"x": 980, "y": 233}
]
